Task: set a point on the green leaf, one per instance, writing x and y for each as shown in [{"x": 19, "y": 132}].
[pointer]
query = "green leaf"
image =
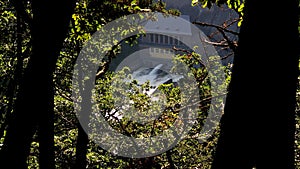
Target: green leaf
[
  {"x": 240, "y": 22},
  {"x": 195, "y": 2},
  {"x": 205, "y": 4}
]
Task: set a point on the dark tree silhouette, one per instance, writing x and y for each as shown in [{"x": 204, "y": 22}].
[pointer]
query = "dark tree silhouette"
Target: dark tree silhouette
[
  {"x": 258, "y": 126},
  {"x": 34, "y": 105}
]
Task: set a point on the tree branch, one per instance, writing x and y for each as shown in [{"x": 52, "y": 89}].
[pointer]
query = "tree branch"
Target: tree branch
[{"x": 217, "y": 26}]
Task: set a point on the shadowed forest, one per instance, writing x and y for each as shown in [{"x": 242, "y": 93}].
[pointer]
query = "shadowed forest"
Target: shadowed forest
[{"x": 232, "y": 100}]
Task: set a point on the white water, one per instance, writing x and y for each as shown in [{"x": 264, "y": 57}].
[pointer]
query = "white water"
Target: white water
[{"x": 156, "y": 76}]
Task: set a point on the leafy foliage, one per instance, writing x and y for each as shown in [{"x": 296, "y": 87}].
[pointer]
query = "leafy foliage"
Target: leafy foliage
[
  {"x": 90, "y": 16},
  {"x": 236, "y": 5},
  {"x": 297, "y": 134}
]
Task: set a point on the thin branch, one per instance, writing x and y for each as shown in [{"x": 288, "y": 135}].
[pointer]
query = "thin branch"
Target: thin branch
[
  {"x": 61, "y": 94},
  {"x": 189, "y": 53},
  {"x": 226, "y": 24},
  {"x": 216, "y": 26},
  {"x": 232, "y": 44},
  {"x": 200, "y": 102},
  {"x": 231, "y": 22},
  {"x": 225, "y": 57},
  {"x": 222, "y": 43}
]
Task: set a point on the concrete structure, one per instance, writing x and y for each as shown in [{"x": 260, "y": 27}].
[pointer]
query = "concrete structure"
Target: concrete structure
[
  {"x": 215, "y": 15},
  {"x": 156, "y": 48}
]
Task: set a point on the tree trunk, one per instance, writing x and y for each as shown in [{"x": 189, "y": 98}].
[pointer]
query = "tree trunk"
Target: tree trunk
[
  {"x": 257, "y": 128},
  {"x": 34, "y": 104},
  {"x": 81, "y": 148}
]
